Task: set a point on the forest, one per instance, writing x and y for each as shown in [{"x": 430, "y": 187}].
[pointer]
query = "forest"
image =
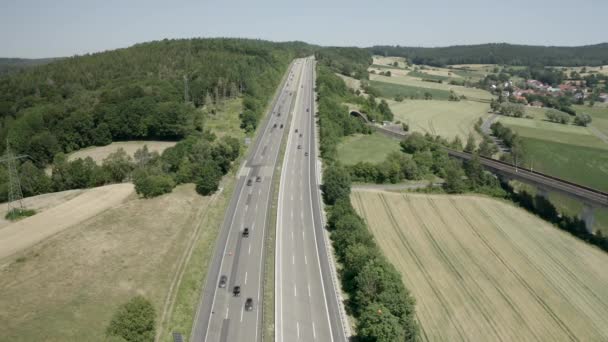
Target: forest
[{"x": 508, "y": 54}]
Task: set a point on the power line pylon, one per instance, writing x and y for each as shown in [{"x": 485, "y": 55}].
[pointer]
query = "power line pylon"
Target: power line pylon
[{"x": 15, "y": 195}]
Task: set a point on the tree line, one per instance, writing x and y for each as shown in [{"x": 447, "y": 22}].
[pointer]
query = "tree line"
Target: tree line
[
  {"x": 378, "y": 299},
  {"x": 500, "y": 53}
]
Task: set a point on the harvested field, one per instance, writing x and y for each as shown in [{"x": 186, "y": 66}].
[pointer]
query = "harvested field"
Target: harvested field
[
  {"x": 389, "y": 61},
  {"x": 68, "y": 287},
  {"x": 484, "y": 270},
  {"x": 29, "y": 231},
  {"x": 41, "y": 202},
  {"x": 99, "y": 153}
]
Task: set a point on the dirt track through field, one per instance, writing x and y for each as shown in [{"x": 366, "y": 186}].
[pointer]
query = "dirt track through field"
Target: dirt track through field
[
  {"x": 482, "y": 269},
  {"x": 31, "y": 230}
]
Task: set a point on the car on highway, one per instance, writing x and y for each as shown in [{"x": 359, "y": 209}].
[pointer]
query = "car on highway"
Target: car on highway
[
  {"x": 300, "y": 135},
  {"x": 281, "y": 125},
  {"x": 223, "y": 280},
  {"x": 249, "y": 182},
  {"x": 246, "y": 232},
  {"x": 236, "y": 291},
  {"x": 299, "y": 147},
  {"x": 275, "y": 125},
  {"x": 296, "y": 130},
  {"x": 306, "y": 154},
  {"x": 258, "y": 179},
  {"x": 249, "y": 304},
  {"x": 307, "y": 110}
]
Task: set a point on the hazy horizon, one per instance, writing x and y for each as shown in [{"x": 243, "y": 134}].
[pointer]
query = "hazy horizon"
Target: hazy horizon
[{"x": 37, "y": 29}]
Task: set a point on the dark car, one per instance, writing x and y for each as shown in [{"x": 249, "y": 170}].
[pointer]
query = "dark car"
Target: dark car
[
  {"x": 307, "y": 110},
  {"x": 258, "y": 179},
  {"x": 246, "y": 232},
  {"x": 299, "y": 147},
  {"x": 275, "y": 125},
  {"x": 281, "y": 125},
  {"x": 300, "y": 135},
  {"x": 296, "y": 130},
  {"x": 249, "y": 304},
  {"x": 223, "y": 280},
  {"x": 236, "y": 291},
  {"x": 249, "y": 182},
  {"x": 306, "y": 154}
]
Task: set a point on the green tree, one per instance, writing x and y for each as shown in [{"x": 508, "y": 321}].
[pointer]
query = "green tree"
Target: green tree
[
  {"x": 474, "y": 171},
  {"x": 208, "y": 179},
  {"x": 413, "y": 143},
  {"x": 152, "y": 185},
  {"x": 134, "y": 321},
  {"x": 34, "y": 181},
  {"x": 378, "y": 324},
  {"x": 471, "y": 145},
  {"x": 118, "y": 165},
  {"x": 454, "y": 182},
  {"x": 336, "y": 184}
]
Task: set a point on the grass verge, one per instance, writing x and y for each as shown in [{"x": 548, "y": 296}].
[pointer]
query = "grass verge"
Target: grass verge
[{"x": 371, "y": 148}]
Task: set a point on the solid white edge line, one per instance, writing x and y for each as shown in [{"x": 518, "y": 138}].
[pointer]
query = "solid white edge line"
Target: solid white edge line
[{"x": 313, "y": 144}]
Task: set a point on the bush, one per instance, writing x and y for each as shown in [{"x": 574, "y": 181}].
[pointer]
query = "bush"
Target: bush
[
  {"x": 153, "y": 185},
  {"x": 413, "y": 143},
  {"x": 17, "y": 214},
  {"x": 557, "y": 116},
  {"x": 582, "y": 119},
  {"x": 133, "y": 321},
  {"x": 336, "y": 184}
]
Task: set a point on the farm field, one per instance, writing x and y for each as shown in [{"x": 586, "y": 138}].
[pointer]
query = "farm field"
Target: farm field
[
  {"x": 371, "y": 148},
  {"x": 351, "y": 82},
  {"x": 99, "y": 153},
  {"x": 67, "y": 287},
  {"x": 41, "y": 202},
  {"x": 550, "y": 131},
  {"x": 577, "y": 163},
  {"x": 483, "y": 267},
  {"x": 472, "y": 93},
  {"x": 24, "y": 233},
  {"x": 380, "y": 60},
  {"x": 446, "y": 118},
  {"x": 598, "y": 113},
  {"x": 391, "y": 90}
]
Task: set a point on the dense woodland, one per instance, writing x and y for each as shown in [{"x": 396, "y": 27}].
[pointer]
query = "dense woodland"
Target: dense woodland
[{"x": 508, "y": 54}]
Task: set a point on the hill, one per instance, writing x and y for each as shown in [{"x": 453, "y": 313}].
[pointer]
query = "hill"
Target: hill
[
  {"x": 11, "y": 65},
  {"x": 500, "y": 53},
  {"x": 482, "y": 267}
]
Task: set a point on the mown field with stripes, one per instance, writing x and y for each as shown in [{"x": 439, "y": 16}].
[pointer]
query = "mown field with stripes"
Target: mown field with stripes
[{"x": 484, "y": 270}]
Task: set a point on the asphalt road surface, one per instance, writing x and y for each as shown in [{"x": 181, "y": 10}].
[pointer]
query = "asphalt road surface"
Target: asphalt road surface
[
  {"x": 306, "y": 305},
  {"x": 221, "y": 316}
]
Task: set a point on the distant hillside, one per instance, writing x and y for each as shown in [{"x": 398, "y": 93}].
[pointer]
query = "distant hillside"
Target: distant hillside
[
  {"x": 500, "y": 54},
  {"x": 10, "y": 65}
]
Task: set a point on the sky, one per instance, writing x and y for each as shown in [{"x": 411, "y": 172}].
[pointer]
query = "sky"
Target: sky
[{"x": 54, "y": 28}]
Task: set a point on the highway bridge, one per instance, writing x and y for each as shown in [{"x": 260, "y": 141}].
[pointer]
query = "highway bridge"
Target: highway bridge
[{"x": 591, "y": 198}]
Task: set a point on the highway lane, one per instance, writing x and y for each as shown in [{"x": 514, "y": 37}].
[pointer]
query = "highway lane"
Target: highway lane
[
  {"x": 222, "y": 316},
  {"x": 306, "y": 307}
]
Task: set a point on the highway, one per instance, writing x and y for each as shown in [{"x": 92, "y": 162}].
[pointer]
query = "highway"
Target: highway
[
  {"x": 306, "y": 304},
  {"x": 221, "y": 316}
]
